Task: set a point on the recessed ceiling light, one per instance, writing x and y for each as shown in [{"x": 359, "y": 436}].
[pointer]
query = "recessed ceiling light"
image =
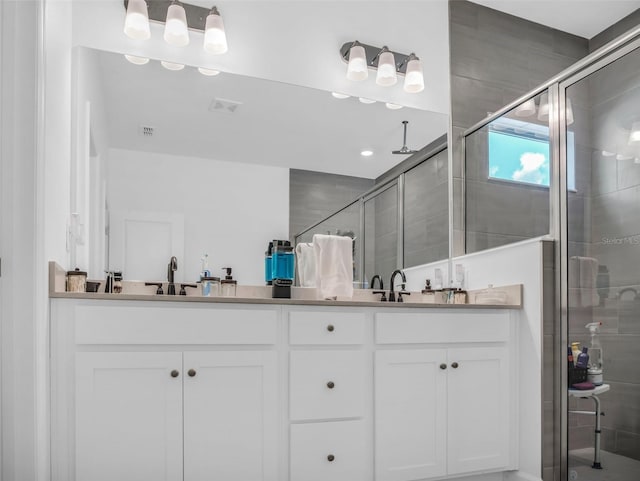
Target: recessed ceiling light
[
  {"x": 209, "y": 72},
  {"x": 366, "y": 101},
  {"x": 393, "y": 106},
  {"x": 171, "y": 65},
  {"x": 366, "y": 153},
  {"x": 340, "y": 96},
  {"x": 136, "y": 60}
]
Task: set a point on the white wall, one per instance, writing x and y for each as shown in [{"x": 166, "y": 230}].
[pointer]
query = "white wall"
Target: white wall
[{"x": 231, "y": 211}]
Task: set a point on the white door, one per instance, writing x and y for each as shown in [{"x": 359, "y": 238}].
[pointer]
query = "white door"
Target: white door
[
  {"x": 231, "y": 416},
  {"x": 410, "y": 414},
  {"x": 129, "y": 416},
  {"x": 478, "y": 409}
]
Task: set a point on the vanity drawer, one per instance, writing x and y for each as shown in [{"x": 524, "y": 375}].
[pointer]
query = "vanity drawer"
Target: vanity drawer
[
  {"x": 333, "y": 451},
  {"x": 326, "y": 327},
  {"x": 326, "y": 384},
  {"x": 147, "y": 324}
]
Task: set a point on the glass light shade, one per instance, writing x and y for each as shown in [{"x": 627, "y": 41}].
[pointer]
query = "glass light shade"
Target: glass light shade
[
  {"x": 215, "y": 39},
  {"x": 175, "y": 29},
  {"x": 209, "y": 72},
  {"x": 414, "y": 78},
  {"x": 340, "y": 96},
  {"x": 366, "y": 101},
  {"x": 391, "y": 106},
  {"x": 543, "y": 110},
  {"x": 386, "y": 75},
  {"x": 137, "y": 60},
  {"x": 357, "y": 69},
  {"x": 569, "y": 112},
  {"x": 171, "y": 65},
  {"x": 526, "y": 109},
  {"x": 136, "y": 22},
  {"x": 634, "y": 136}
]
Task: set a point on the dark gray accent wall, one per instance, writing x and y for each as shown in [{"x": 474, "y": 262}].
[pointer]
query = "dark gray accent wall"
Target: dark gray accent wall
[
  {"x": 315, "y": 195},
  {"x": 495, "y": 58},
  {"x": 627, "y": 23}
]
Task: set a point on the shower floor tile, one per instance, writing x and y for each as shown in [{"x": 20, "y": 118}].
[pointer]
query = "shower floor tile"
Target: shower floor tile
[{"x": 614, "y": 467}]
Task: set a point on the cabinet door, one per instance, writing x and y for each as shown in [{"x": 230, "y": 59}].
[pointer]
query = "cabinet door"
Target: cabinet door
[
  {"x": 230, "y": 416},
  {"x": 129, "y": 416},
  {"x": 479, "y": 409},
  {"x": 410, "y": 414}
]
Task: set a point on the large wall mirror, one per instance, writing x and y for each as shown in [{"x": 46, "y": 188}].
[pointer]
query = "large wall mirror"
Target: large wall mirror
[{"x": 180, "y": 163}]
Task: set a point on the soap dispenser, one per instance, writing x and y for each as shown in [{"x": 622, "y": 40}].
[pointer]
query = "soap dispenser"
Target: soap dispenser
[
  {"x": 228, "y": 284},
  {"x": 283, "y": 268}
]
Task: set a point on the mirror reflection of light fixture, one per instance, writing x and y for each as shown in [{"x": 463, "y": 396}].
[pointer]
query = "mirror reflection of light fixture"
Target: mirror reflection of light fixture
[
  {"x": 526, "y": 108},
  {"x": 357, "y": 68},
  {"x": 634, "y": 136},
  {"x": 414, "y": 78},
  {"x": 340, "y": 96},
  {"x": 136, "y": 22},
  {"x": 172, "y": 65},
  {"x": 360, "y": 58},
  {"x": 366, "y": 100},
  {"x": 391, "y": 106},
  {"x": 387, "y": 75},
  {"x": 215, "y": 38},
  {"x": 209, "y": 72},
  {"x": 543, "y": 110},
  {"x": 176, "y": 31},
  {"x": 137, "y": 60}
]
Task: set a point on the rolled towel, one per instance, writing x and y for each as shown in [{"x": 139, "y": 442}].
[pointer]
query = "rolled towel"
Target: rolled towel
[
  {"x": 334, "y": 266},
  {"x": 306, "y": 256}
]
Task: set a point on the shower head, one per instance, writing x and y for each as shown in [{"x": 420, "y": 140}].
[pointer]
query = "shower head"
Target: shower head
[{"x": 404, "y": 150}]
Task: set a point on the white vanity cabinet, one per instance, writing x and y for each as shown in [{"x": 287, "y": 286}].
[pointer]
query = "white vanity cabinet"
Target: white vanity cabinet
[{"x": 443, "y": 397}]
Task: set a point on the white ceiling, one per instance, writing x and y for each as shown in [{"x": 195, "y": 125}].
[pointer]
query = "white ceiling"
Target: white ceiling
[{"x": 585, "y": 18}]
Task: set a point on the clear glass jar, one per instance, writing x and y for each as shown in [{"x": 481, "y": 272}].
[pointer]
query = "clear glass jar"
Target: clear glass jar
[
  {"x": 210, "y": 286},
  {"x": 76, "y": 281},
  {"x": 228, "y": 287}
]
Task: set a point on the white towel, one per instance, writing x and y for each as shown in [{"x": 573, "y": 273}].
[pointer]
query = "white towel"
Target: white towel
[
  {"x": 584, "y": 272},
  {"x": 306, "y": 257},
  {"x": 334, "y": 266}
]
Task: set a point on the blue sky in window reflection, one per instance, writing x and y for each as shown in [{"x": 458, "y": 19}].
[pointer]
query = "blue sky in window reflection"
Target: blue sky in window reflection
[{"x": 519, "y": 159}]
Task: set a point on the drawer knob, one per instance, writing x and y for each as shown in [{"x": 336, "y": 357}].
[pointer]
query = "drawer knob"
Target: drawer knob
[
  {"x": 455, "y": 365},
  {"x": 331, "y": 385},
  {"x": 175, "y": 373},
  {"x": 330, "y": 328},
  {"x": 330, "y": 458},
  {"x": 443, "y": 366},
  {"x": 191, "y": 372}
]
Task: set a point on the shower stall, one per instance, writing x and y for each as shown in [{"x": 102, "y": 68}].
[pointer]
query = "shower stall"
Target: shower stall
[{"x": 564, "y": 161}]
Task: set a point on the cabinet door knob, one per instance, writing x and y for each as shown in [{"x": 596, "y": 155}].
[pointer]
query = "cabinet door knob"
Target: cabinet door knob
[
  {"x": 330, "y": 328},
  {"x": 330, "y": 385},
  {"x": 454, "y": 365},
  {"x": 191, "y": 372},
  {"x": 330, "y": 458},
  {"x": 175, "y": 373},
  {"x": 443, "y": 366}
]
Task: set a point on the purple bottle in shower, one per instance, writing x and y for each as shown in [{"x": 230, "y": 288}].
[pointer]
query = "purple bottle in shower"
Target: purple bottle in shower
[{"x": 583, "y": 358}]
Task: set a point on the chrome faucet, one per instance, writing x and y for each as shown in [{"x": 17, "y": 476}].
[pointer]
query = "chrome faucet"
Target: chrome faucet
[
  {"x": 392, "y": 295},
  {"x": 171, "y": 269}
]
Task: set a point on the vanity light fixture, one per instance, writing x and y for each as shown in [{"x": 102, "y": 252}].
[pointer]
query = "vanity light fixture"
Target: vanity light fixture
[
  {"x": 340, "y": 96},
  {"x": 366, "y": 100},
  {"x": 360, "y": 58},
  {"x": 209, "y": 72},
  {"x": 215, "y": 38},
  {"x": 176, "y": 31},
  {"x": 171, "y": 65},
  {"x": 526, "y": 109},
  {"x": 391, "y": 106},
  {"x": 136, "y": 22},
  {"x": 634, "y": 136},
  {"x": 137, "y": 60},
  {"x": 543, "y": 109}
]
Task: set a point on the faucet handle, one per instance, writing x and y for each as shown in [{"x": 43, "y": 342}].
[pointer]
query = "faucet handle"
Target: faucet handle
[
  {"x": 401, "y": 293},
  {"x": 183, "y": 291},
  {"x": 157, "y": 284},
  {"x": 384, "y": 295}
]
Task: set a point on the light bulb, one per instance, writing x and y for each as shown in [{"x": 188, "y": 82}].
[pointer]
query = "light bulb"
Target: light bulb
[
  {"x": 215, "y": 38},
  {"x": 209, "y": 72},
  {"x": 136, "y": 22},
  {"x": 357, "y": 69},
  {"x": 543, "y": 110},
  {"x": 175, "y": 29},
  {"x": 634, "y": 136},
  {"x": 526, "y": 108},
  {"x": 137, "y": 60},
  {"x": 391, "y": 106},
  {"x": 340, "y": 96},
  {"x": 171, "y": 65},
  {"x": 386, "y": 75},
  {"x": 414, "y": 78}
]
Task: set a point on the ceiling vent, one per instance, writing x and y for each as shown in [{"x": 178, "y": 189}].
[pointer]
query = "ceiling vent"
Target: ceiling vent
[
  {"x": 145, "y": 131},
  {"x": 224, "y": 106}
]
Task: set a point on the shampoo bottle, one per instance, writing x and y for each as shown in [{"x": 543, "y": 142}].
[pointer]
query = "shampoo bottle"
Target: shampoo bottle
[{"x": 583, "y": 359}]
